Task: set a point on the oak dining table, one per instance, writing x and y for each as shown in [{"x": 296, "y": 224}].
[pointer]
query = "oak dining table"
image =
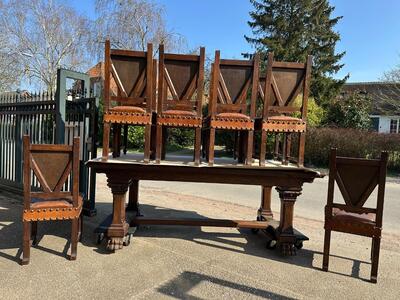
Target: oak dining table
[{"x": 124, "y": 174}]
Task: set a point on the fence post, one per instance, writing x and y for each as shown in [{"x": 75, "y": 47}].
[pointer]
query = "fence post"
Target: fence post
[
  {"x": 18, "y": 145},
  {"x": 60, "y": 106},
  {"x": 90, "y": 208}
]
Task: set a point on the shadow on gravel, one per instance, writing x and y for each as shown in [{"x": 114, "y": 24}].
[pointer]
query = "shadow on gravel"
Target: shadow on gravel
[
  {"x": 182, "y": 287},
  {"x": 255, "y": 244}
]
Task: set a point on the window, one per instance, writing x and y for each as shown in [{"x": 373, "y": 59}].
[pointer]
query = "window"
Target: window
[
  {"x": 375, "y": 123},
  {"x": 394, "y": 125}
]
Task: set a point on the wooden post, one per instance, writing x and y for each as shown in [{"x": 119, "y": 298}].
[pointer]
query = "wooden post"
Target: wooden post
[
  {"x": 133, "y": 201},
  {"x": 285, "y": 233},
  {"x": 119, "y": 185},
  {"x": 265, "y": 211}
]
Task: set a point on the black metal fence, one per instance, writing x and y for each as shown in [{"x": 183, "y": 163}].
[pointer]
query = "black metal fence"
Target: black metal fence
[{"x": 39, "y": 116}]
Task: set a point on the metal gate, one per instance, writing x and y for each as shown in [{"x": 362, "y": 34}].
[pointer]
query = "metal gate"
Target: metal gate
[{"x": 49, "y": 119}]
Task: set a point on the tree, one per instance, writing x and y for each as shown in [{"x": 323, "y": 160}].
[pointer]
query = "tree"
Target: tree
[
  {"x": 293, "y": 29},
  {"x": 131, "y": 24},
  {"x": 9, "y": 67},
  {"x": 350, "y": 111},
  {"x": 390, "y": 92},
  {"x": 45, "y": 35}
]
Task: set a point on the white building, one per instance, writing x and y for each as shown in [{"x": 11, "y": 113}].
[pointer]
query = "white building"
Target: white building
[{"x": 385, "y": 98}]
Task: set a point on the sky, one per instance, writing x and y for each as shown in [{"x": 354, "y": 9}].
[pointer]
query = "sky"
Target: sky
[{"x": 369, "y": 30}]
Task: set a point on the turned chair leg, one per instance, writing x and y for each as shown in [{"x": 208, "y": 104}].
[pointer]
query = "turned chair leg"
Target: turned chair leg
[
  {"x": 125, "y": 138},
  {"x": 153, "y": 140},
  {"x": 116, "y": 140},
  {"x": 211, "y": 141},
  {"x": 276, "y": 152},
  {"x": 376, "y": 244},
  {"x": 147, "y": 141},
  {"x": 302, "y": 143},
  {"x": 197, "y": 146},
  {"x": 159, "y": 143},
  {"x": 34, "y": 232},
  {"x": 80, "y": 233},
  {"x": 74, "y": 238},
  {"x": 203, "y": 144},
  {"x": 237, "y": 146},
  {"x": 164, "y": 143},
  {"x": 26, "y": 242},
  {"x": 206, "y": 143},
  {"x": 249, "y": 147},
  {"x": 288, "y": 147},
  {"x": 106, "y": 140},
  {"x": 284, "y": 149},
  {"x": 327, "y": 243},
  {"x": 263, "y": 148}
]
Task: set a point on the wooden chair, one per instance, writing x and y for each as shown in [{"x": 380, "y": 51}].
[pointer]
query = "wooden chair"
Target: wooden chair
[
  {"x": 153, "y": 125},
  {"x": 180, "y": 96},
  {"x": 129, "y": 83},
  {"x": 356, "y": 179},
  {"x": 283, "y": 83},
  {"x": 228, "y": 107},
  {"x": 51, "y": 165}
]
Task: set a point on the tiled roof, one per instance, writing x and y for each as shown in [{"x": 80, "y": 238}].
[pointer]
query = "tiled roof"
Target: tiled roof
[{"x": 385, "y": 96}]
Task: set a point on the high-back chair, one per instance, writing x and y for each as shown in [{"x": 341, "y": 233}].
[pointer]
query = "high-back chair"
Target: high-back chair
[
  {"x": 51, "y": 165},
  {"x": 356, "y": 179},
  {"x": 233, "y": 93},
  {"x": 180, "y": 96},
  {"x": 128, "y": 83},
  {"x": 283, "y": 83}
]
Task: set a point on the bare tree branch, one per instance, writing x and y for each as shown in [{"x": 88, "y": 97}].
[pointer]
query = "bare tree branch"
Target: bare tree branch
[
  {"x": 45, "y": 35},
  {"x": 131, "y": 24}
]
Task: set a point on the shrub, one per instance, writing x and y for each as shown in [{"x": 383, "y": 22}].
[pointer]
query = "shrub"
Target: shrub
[
  {"x": 136, "y": 137},
  {"x": 352, "y": 143},
  {"x": 177, "y": 138},
  {"x": 350, "y": 111}
]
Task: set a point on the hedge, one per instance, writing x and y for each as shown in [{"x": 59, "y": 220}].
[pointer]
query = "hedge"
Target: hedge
[{"x": 352, "y": 143}]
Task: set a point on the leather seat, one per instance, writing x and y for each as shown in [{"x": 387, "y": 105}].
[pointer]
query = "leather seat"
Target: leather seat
[
  {"x": 284, "y": 118},
  {"x": 348, "y": 217},
  {"x": 176, "y": 112},
  {"x": 130, "y": 109},
  {"x": 233, "y": 115},
  {"x": 37, "y": 203}
]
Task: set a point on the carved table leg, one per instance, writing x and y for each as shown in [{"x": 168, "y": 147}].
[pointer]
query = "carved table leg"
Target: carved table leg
[
  {"x": 119, "y": 227},
  {"x": 133, "y": 201},
  {"x": 265, "y": 212},
  {"x": 285, "y": 234}
]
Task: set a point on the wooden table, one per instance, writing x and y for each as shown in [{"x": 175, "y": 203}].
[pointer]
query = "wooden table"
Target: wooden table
[{"x": 124, "y": 173}]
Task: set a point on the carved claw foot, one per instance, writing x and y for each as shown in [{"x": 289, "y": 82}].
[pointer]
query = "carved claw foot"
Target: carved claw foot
[
  {"x": 288, "y": 249},
  {"x": 115, "y": 244}
]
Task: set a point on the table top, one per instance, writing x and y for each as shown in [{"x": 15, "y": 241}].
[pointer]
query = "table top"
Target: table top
[{"x": 224, "y": 170}]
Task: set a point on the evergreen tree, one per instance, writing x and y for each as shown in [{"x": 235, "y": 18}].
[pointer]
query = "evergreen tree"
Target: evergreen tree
[{"x": 293, "y": 29}]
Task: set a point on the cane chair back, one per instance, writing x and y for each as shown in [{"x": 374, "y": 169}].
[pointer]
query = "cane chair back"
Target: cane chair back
[
  {"x": 284, "y": 81},
  {"x": 232, "y": 81},
  {"x": 128, "y": 77},
  {"x": 181, "y": 78}
]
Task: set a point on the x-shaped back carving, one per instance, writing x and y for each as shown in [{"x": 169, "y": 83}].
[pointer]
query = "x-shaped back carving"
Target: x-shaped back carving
[
  {"x": 138, "y": 82},
  {"x": 185, "y": 94},
  {"x": 286, "y": 85},
  {"x": 51, "y": 169},
  {"x": 225, "y": 91},
  {"x": 356, "y": 183}
]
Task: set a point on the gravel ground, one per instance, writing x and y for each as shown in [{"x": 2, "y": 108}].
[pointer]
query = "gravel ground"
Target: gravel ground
[{"x": 190, "y": 262}]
